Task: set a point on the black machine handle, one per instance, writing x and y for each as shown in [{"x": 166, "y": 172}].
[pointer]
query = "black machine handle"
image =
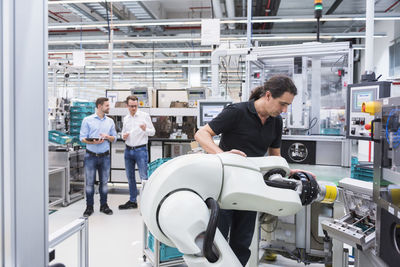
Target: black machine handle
[
  {"x": 210, "y": 232},
  {"x": 372, "y": 130}
]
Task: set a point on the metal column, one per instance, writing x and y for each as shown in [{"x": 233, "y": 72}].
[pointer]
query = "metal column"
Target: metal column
[
  {"x": 369, "y": 36},
  {"x": 316, "y": 93},
  {"x": 247, "y": 88},
  {"x": 249, "y": 22},
  {"x": 23, "y": 134}
]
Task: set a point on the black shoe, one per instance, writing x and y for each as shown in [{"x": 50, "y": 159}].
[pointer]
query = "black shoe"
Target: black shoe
[
  {"x": 128, "y": 205},
  {"x": 105, "y": 209},
  {"x": 88, "y": 211}
]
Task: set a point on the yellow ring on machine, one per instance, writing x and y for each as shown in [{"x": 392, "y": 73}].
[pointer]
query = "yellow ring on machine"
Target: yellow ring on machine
[{"x": 331, "y": 194}]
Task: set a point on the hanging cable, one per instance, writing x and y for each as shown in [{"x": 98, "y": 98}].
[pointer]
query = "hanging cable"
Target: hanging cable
[{"x": 396, "y": 137}]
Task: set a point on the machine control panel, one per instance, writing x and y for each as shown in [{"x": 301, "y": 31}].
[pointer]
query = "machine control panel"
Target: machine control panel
[
  {"x": 359, "y": 122},
  {"x": 142, "y": 95},
  {"x": 194, "y": 95}
]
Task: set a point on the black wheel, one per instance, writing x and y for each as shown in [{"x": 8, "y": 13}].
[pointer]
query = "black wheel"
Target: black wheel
[{"x": 144, "y": 258}]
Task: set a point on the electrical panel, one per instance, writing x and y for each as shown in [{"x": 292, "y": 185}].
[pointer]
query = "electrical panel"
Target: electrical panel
[
  {"x": 359, "y": 122},
  {"x": 194, "y": 95},
  {"x": 143, "y": 96}
]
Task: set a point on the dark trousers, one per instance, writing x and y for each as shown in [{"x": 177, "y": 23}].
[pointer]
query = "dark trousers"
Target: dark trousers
[{"x": 241, "y": 225}]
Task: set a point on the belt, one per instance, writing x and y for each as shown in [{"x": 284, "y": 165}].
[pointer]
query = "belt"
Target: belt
[
  {"x": 134, "y": 147},
  {"x": 98, "y": 154}
]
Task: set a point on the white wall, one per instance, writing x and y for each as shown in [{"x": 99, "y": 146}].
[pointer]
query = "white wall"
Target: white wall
[{"x": 381, "y": 49}]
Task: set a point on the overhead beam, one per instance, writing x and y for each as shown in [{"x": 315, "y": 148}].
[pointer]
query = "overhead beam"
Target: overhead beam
[
  {"x": 332, "y": 9},
  {"x": 242, "y": 20}
]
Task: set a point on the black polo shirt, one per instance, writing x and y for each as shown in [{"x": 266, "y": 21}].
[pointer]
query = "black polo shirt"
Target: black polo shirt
[{"x": 241, "y": 128}]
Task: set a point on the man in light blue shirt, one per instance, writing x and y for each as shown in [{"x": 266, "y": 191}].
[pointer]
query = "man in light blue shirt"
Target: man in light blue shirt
[{"x": 97, "y": 131}]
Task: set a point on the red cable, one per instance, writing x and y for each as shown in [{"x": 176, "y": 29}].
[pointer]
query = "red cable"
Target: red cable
[
  {"x": 369, "y": 152},
  {"x": 267, "y": 11},
  {"x": 389, "y": 8}
]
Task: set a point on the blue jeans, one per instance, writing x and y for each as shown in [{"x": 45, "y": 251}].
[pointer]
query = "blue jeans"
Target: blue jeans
[
  {"x": 140, "y": 157},
  {"x": 102, "y": 165},
  {"x": 241, "y": 224}
]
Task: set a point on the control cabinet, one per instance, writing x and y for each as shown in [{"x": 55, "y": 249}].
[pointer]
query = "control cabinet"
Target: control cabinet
[{"x": 358, "y": 122}]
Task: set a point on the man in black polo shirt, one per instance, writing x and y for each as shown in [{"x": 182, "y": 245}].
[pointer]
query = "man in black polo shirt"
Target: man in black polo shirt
[{"x": 252, "y": 129}]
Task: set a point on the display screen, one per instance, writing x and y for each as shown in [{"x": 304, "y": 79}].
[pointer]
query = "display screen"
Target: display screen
[
  {"x": 196, "y": 95},
  {"x": 210, "y": 110},
  {"x": 361, "y": 96}
]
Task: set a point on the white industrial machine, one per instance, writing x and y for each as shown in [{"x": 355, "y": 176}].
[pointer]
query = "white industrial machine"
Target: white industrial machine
[
  {"x": 357, "y": 227},
  {"x": 176, "y": 200}
]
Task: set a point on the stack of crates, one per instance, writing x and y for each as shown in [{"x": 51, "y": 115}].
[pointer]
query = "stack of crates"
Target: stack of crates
[
  {"x": 78, "y": 112},
  {"x": 362, "y": 171},
  {"x": 59, "y": 137},
  {"x": 167, "y": 253}
]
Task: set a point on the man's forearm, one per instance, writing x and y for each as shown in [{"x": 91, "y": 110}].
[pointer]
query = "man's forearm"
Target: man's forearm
[{"x": 207, "y": 143}]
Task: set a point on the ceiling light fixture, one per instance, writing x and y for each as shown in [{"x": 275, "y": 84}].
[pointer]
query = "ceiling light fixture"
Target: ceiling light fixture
[
  {"x": 136, "y": 50},
  {"x": 241, "y": 20},
  {"x": 272, "y": 37}
]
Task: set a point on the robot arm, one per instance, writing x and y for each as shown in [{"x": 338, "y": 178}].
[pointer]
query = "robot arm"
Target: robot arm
[{"x": 180, "y": 202}]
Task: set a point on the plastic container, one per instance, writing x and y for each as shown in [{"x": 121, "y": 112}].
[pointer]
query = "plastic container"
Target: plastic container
[
  {"x": 152, "y": 166},
  {"x": 362, "y": 171},
  {"x": 59, "y": 137},
  {"x": 84, "y": 104},
  {"x": 79, "y": 115},
  {"x": 166, "y": 253},
  {"x": 82, "y": 109},
  {"x": 75, "y": 130}
]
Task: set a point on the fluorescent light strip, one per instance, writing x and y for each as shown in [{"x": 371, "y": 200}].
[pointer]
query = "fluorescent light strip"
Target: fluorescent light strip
[
  {"x": 146, "y": 66},
  {"x": 128, "y": 40},
  {"x": 178, "y": 22},
  {"x": 127, "y": 80},
  {"x": 116, "y": 51},
  {"x": 127, "y": 71},
  {"x": 148, "y": 59},
  {"x": 254, "y": 37},
  {"x": 85, "y": 1}
]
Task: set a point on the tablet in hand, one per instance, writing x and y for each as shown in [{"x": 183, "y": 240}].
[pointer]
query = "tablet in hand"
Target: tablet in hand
[{"x": 92, "y": 139}]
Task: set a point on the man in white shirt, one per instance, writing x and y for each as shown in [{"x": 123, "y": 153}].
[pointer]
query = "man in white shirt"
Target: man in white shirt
[{"x": 137, "y": 127}]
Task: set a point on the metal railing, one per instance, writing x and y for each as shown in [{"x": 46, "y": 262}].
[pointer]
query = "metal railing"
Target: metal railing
[{"x": 79, "y": 225}]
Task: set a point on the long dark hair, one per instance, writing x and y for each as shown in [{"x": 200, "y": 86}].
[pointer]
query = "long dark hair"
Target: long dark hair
[{"x": 277, "y": 85}]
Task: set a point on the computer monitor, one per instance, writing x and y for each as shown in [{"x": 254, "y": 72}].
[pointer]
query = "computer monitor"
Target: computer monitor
[
  {"x": 209, "y": 109},
  {"x": 362, "y": 95}
]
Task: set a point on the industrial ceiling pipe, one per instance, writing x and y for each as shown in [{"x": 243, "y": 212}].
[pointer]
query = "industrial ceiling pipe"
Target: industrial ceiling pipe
[
  {"x": 217, "y": 9},
  {"x": 230, "y": 11},
  {"x": 369, "y": 37}
]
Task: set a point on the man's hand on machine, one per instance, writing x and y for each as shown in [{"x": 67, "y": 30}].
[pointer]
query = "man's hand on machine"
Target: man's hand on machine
[{"x": 236, "y": 151}]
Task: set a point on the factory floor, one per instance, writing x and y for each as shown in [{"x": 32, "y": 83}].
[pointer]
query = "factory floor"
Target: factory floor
[{"x": 117, "y": 240}]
